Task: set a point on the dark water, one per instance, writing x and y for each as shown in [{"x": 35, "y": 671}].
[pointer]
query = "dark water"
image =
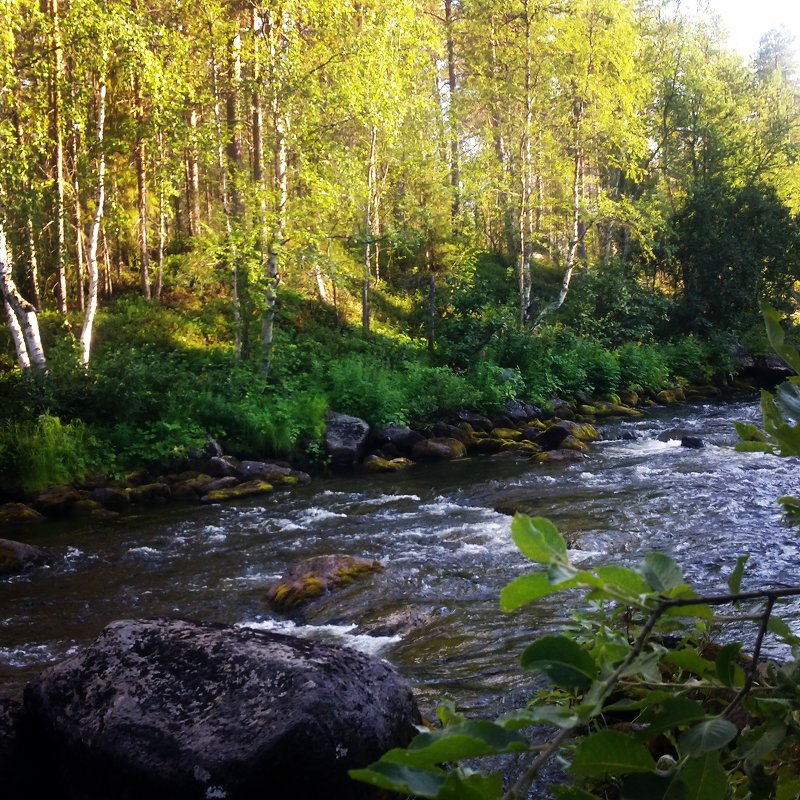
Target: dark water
[{"x": 446, "y": 549}]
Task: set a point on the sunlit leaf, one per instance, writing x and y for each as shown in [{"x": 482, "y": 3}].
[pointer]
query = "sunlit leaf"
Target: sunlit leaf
[
  {"x": 528, "y": 588},
  {"x": 538, "y": 539},
  {"x": 707, "y": 736},
  {"x": 611, "y": 753},
  {"x": 735, "y": 578},
  {"x": 623, "y": 580},
  {"x": 566, "y": 663},
  {"x": 777, "y": 337},
  {"x": 689, "y": 661}
]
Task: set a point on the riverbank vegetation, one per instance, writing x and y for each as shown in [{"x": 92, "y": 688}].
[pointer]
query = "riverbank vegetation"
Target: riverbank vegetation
[{"x": 224, "y": 220}]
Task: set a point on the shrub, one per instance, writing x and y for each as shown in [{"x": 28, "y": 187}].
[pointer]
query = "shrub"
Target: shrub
[
  {"x": 47, "y": 452},
  {"x": 642, "y": 366},
  {"x": 687, "y": 361}
]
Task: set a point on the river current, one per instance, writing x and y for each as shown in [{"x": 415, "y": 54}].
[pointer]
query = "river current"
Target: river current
[{"x": 443, "y": 533}]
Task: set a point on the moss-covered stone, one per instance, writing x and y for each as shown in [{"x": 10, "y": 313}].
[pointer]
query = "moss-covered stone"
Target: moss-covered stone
[
  {"x": 488, "y": 445},
  {"x": 313, "y": 577},
  {"x": 376, "y": 464},
  {"x": 150, "y": 493},
  {"x": 507, "y": 434},
  {"x": 247, "y": 489},
  {"x": 556, "y": 456},
  {"x": 16, "y": 556},
  {"x": 13, "y": 514},
  {"x": 439, "y": 449},
  {"x": 667, "y": 397}
]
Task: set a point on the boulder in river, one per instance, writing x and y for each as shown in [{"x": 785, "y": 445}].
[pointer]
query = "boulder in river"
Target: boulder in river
[
  {"x": 252, "y": 488},
  {"x": 57, "y": 500},
  {"x": 16, "y": 556},
  {"x": 399, "y": 436},
  {"x": 169, "y": 709},
  {"x": 313, "y": 577},
  {"x": 345, "y": 440},
  {"x": 692, "y": 442},
  {"x": 113, "y": 498}
]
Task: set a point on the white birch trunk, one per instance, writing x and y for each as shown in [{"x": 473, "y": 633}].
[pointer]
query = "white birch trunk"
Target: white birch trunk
[{"x": 94, "y": 235}]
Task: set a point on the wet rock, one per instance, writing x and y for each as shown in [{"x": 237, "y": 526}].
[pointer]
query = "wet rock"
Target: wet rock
[
  {"x": 252, "y": 488},
  {"x": 520, "y": 411},
  {"x": 573, "y": 443},
  {"x": 629, "y": 397},
  {"x": 14, "y": 514},
  {"x": 396, "y": 623},
  {"x": 150, "y": 494},
  {"x": 315, "y": 576},
  {"x": 276, "y": 474},
  {"x": 488, "y": 445},
  {"x": 221, "y": 483},
  {"x": 556, "y": 456},
  {"x": 580, "y": 430},
  {"x": 438, "y": 449},
  {"x": 11, "y": 775},
  {"x": 551, "y": 438},
  {"x": 345, "y": 440},
  {"x": 564, "y": 410},
  {"x": 223, "y": 467},
  {"x": 16, "y": 556},
  {"x": 477, "y": 421},
  {"x": 376, "y": 464},
  {"x": 692, "y": 442},
  {"x": 57, "y": 501},
  {"x": 521, "y": 448},
  {"x": 511, "y": 434},
  {"x": 503, "y": 422},
  {"x": 444, "y": 431},
  {"x": 399, "y": 436},
  {"x": 87, "y": 508},
  {"x": 191, "y": 490},
  {"x": 113, "y": 498},
  {"x": 168, "y": 709}
]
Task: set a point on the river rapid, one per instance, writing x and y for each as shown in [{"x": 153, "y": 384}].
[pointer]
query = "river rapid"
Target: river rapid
[{"x": 446, "y": 548}]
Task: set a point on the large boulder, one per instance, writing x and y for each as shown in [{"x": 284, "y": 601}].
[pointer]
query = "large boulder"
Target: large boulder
[
  {"x": 276, "y": 474},
  {"x": 16, "y": 556},
  {"x": 169, "y": 709},
  {"x": 399, "y": 436},
  {"x": 312, "y": 577},
  {"x": 438, "y": 449},
  {"x": 16, "y": 514},
  {"x": 345, "y": 440}
]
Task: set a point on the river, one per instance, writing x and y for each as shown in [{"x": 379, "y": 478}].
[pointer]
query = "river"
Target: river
[{"x": 446, "y": 548}]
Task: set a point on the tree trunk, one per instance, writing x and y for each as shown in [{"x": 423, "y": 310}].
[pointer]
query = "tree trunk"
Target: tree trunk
[
  {"x": 367, "y": 276},
  {"x": 94, "y": 234},
  {"x": 162, "y": 219},
  {"x": 58, "y": 156},
  {"x": 141, "y": 185},
  {"x": 21, "y": 315},
  {"x": 455, "y": 171},
  {"x": 194, "y": 176},
  {"x": 76, "y": 191}
]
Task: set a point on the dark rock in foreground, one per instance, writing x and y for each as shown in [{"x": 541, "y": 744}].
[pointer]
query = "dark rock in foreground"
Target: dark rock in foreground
[
  {"x": 173, "y": 709},
  {"x": 692, "y": 442},
  {"x": 345, "y": 440},
  {"x": 16, "y": 556}
]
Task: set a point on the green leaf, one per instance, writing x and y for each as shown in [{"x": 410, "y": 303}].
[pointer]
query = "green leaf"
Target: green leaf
[
  {"x": 527, "y": 589},
  {"x": 470, "y": 739},
  {"x": 671, "y": 713},
  {"x": 754, "y": 447},
  {"x": 473, "y": 786},
  {"x": 401, "y": 778},
  {"x": 622, "y": 579},
  {"x": 749, "y": 433},
  {"x": 735, "y": 578},
  {"x": 704, "y": 779},
  {"x": 566, "y": 663},
  {"x": 661, "y": 572},
  {"x": 777, "y": 337},
  {"x": 791, "y": 507},
  {"x": 538, "y": 539},
  {"x": 572, "y": 793},
  {"x": 689, "y": 661},
  {"x": 788, "y": 788},
  {"x": 769, "y": 741},
  {"x": 709, "y": 735},
  {"x": 782, "y": 629},
  {"x": 561, "y": 716},
  {"x": 787, "y": 396},
  {"x": 652, "y": 786},
  {"x": 611, "y": 753},
  {"x": 447, "y": 713},
  {"x": 727, "y": 667}
]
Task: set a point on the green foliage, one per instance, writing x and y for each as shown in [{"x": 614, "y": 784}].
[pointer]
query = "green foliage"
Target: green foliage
[
  {"x": 694, "y": 361},
  {"x": 642, "y": 366},
  {"x": 46, "y": 452},
  {"x": 644, "y": 704}
]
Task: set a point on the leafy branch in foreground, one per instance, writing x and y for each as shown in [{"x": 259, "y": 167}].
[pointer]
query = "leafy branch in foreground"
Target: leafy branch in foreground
[{"x": 643, "y": 704}]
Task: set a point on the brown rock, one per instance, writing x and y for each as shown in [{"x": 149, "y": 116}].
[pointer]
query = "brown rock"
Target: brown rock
[
  {"x": 15, "y": 556},
  {"x": 12, "y": 514},
  {"x": 114, "y": 498},
  {"x": 439, "y": 449},
  {"x": 151, "y": 493},
  {"x": 312, "y": 577},
  {"x": 57, "y": 500}
]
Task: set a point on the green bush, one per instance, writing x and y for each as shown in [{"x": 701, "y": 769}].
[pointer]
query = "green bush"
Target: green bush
[
  {"x": 642, "y": 366},
  {"x": 46, "y": 452},
  {"x": 601, "y": 367}
]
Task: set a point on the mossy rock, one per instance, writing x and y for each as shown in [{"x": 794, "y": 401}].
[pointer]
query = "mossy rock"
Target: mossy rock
[
  {"x": 376, "y": 464},
  {"x": 488, "y": 445},
  {"x": 13, "y": 514},
  {"x": 573, "y": 443},
  {"x": 507, "y": 434},
  {"x": 439, "y": 449},
  {"x": 247, "y": 489},
  {"x": 589, "y": 411},
  {"x": 57, "y": 500},
  {"x": 667, "y": 397},
  {"x": 628, "y": 397},
  {"x": 16, "y": 556},
  {"x": 523, "y": 448},
  {"x": 313, "y": 577},
  {"x": 616, "y": 410}
]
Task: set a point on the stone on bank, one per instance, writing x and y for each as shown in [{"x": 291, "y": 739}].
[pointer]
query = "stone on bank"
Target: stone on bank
[{"x": 175, "y": 709}]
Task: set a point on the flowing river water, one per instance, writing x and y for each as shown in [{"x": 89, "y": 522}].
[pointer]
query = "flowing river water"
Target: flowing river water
[{"x": 446, "y": 548}]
